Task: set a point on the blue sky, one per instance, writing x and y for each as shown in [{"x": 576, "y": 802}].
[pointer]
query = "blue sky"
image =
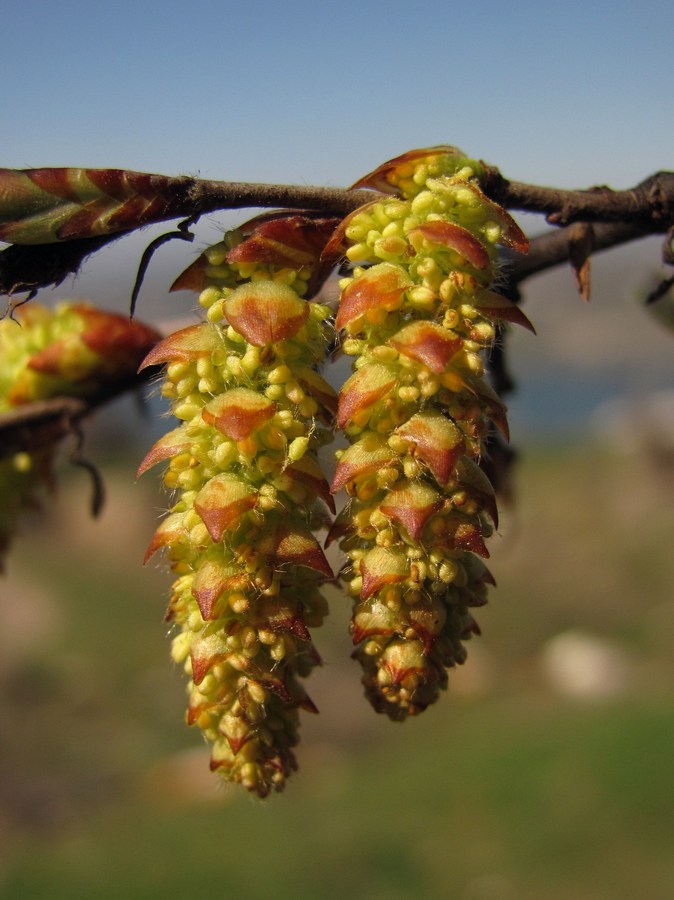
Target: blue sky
[
  {"x": 322, "y": 92},
  {"x": 572, "y": 94}
]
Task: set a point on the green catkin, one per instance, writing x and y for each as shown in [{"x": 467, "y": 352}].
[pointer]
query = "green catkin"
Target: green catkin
[
  {"x": 417, "y": 314},
  {"x": 73, "y": 350},
  {"x": 239, "y": 538}
]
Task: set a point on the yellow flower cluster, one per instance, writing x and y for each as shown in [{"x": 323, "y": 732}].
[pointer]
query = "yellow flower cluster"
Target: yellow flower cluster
[
  {"x": 251, "y": 492},
  {"x": 417, "y": 314}
]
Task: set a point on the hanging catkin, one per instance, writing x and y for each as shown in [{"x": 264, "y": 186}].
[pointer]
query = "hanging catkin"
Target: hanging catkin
[{"x": 417, "y": 314}]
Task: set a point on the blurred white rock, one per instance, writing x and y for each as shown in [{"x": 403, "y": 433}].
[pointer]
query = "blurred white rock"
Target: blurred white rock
[
  {"x": 640, "y": 422},
  {"x": 576, "y": 664}
]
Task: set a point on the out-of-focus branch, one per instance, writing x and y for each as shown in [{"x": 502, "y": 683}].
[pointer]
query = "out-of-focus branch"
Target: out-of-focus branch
[
  {"x": 552, "y": 248},
  {"x": 33, "y": 425}
]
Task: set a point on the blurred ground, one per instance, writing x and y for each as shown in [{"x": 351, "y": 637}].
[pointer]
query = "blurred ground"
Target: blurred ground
[{"x": 544, "y": 772}]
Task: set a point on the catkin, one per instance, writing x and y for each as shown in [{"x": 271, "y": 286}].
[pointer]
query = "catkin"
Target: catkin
[
  {"x": 243, "y": 461},
  {"x": 73, "y": 350},
  {"x": 417, "y": 314}
]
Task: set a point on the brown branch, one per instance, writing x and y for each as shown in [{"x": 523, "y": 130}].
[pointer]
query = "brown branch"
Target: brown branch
[
  {"x": 648, "y": 208},
  {"x": 650, "y": 203},
  {"x": 211, "y": 196},
  {"x": 552, "y": 248},
  {"x": 619, "y": 216},
  {"x": 33, "y": 425}
]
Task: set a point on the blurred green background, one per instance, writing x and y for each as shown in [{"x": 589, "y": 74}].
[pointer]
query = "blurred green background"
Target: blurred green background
[{"x": 544, "y": 772}]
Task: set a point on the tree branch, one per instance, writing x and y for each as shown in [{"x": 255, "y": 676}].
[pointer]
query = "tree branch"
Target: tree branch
[
  {"x": 650, "y": 203},
  {"x": 552, "y": 248},
  {"x": 647, "y": 208},
  {"x": 33, "y": 425},
  {"x": 211, "y": 196},
  {"x": 618, "y": 216}
]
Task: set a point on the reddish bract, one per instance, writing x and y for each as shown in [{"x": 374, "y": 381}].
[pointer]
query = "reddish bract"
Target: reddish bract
[
  {"x": 186, "y": 345},
  {"x": 362, "y": 458},
  {"x": 381, "y": 567},
  {"x": 453, "y": 237},
  {"x": 411, "y": 504},
  {"x": 380, "y": 288},
  {"x": 363, "y": 390},
  {"x": 238, "y": 413},
  {"x": 427, "y": 343},
  {"x": 221, "y": 501},
  {"x": 436, "y": 441},
  {"x": 501, "y": 309},
  {"x": 171, "y": 444},
  {"x": 265, "y": 312},
  {"x": 385, "y": 178}
]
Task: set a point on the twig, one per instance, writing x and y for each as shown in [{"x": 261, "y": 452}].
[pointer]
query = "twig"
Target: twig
[
  {"x": 650, "y": 203},
  {"x": 647, "y": 208},
  {"x": 552, "y": 248},
  {"x": 33, "y": 425}
]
